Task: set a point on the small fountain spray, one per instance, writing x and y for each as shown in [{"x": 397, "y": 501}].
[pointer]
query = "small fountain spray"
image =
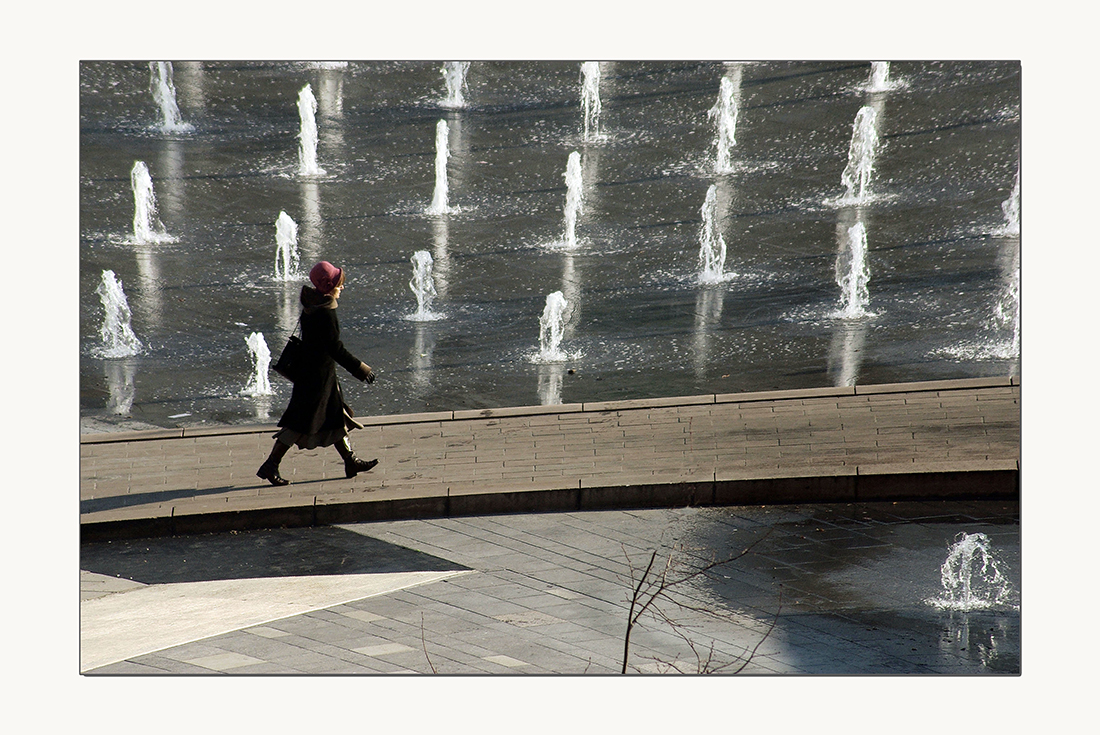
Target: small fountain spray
[
  {"x": 712, "y": 247},
  {"x": 258, "y": 384},
  {"x": 880, "y": 74},
  {"x": 423, "y": 285},
  {"x": 147, "y": 227},
  {"x": 852, "y": 275},
  {"x": 861, "y": 156},
  {"x": 551, "y": 328},
  {"x": 307, "y": 135},
  {"x": 164, "y": 94},
  {"x": 442, "y": 152},
  {"x": 725, "y": 113},
  {"x": 454, "y": 75},
  {"x": 972, "y": 577},
  {"x": 286, "y": 248},
  {"x": 1011, "y": 209},
  {"x": 574, "y": 198},
  {"x": 117, "y": 338},
  {"x": 590, "y": 99}
]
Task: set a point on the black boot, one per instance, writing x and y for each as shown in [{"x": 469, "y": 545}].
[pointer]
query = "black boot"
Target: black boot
[
  {"x": 352, "y": 464},
  {"x": 269, "y": 470}
]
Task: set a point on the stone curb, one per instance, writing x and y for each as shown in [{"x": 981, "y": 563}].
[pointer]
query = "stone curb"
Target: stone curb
[
  {"x": 966, "y": 481},
  {"x": 592, "y": 407}
]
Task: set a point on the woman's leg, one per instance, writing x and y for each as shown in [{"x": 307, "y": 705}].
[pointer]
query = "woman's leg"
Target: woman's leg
[
  {"x": 269, "y": 470},
  {"x": 352, "y": 464}
]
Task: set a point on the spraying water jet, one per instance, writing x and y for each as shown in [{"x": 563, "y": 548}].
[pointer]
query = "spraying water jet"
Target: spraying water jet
[
  {"x": 590, "y": 99},
  {"x": 574, "y": 198},
  {"x": 442, "y": 152},
  {"x": 724, "y": 113},
  {"x": 258, "y": 384},
  {"x": 856, "y": 176},
  {"x": 852, "y": 275},
  {"x": 148, "y": 228},
  {"x": 164, "y": 94},
  {"x": 423, "y": 286},
  {"x": 286, "y": 248},
  {"x": 972, "y": 577},
  {"x": 454, "y": 75},
  {"x": 307, "y": 134},
  {"x": 117, "y": 338},
  {"x": 712, "y": 247},
  {"x": 552, "y": 328}
]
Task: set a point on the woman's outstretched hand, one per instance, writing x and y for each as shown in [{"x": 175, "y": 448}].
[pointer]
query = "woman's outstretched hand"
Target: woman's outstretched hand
[{"x": 366, "y": 372}]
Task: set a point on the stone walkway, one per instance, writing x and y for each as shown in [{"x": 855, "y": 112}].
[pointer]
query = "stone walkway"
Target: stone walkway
[
  {"x": 834, "y": 589},
  {"x": 942, "y": 439}
]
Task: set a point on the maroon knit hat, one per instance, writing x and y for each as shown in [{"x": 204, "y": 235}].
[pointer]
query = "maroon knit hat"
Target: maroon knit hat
[{"x": 325, "y": 276}]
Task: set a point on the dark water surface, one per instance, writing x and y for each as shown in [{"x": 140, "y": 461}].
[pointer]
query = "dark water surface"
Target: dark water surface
[{"x": 640, "y": 324}]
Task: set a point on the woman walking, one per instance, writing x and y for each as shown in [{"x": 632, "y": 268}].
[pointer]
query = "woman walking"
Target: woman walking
[{"x": 317, "y": 415}]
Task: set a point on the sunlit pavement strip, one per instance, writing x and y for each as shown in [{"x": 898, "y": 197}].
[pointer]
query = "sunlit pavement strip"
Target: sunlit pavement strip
[{"x": 130, "y": 623}]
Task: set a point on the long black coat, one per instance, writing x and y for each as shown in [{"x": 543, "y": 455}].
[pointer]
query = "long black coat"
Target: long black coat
[{"x": 316, "y": 403}]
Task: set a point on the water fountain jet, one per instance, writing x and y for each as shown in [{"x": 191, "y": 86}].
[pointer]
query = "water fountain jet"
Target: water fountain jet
[
  {"x": 861, "y": 156},
  {"x": 258, "y": 384},
  {"x": 454, "y": 75},
  {"x": 286, "y": 248},
  {"x": 551, "y": 328},
  {"x": 442, "y": 152},
  {"x": 725, "y": 113},
  {"x": 307, "y": 134},
  {"x": 117, "y": 338},
  {"x": 971, "y": 576},
  {"x": 712, "y": 247},
  {"x": 879, "y": 79},
  {"x": 574, "y": 198},
  {"x": 590, "y": 99},
  {"x": 852, "y": 275},
  {"x": 164, "y": 94},
  {"x": 423, "y": 286},
  {"x": 147, "y": 227}
]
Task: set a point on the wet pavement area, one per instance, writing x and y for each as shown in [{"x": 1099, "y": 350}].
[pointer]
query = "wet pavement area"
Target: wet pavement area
[{"x": 830, "y": 589}]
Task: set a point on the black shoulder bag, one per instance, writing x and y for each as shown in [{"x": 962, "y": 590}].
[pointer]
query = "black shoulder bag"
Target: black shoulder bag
[{"x": 289, "y": 364}]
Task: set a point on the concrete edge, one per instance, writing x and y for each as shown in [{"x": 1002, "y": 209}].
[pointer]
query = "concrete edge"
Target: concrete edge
[
  {"x": 592, "y": 407},
  {"x": 996, "y": 482}
]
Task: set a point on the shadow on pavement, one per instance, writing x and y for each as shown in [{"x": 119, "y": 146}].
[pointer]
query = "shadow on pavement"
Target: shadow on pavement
[{"x": 254, "y": 554}]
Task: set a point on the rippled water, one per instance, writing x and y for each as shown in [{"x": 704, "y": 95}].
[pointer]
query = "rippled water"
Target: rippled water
[{"x": 639, "y": 322}]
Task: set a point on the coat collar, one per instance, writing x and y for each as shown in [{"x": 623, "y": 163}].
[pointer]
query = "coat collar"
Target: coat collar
[{"x": 312, "y": 300}]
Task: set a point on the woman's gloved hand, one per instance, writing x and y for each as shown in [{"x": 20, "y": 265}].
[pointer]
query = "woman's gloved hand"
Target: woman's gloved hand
[{"x": 366, "y": 373}]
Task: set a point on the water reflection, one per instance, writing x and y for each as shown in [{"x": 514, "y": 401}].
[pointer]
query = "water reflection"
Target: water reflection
[
  {"x": 846, "y": 352},
  {"x": 148, "y": 295},
  {"x": 189, "y": 78},
  {"x": 330, "y": 93},
  {"x": 287, "y": 311},
  {"x": 312, "y": 227},
  {"x": 981, "y": 640},
  {"x": 708, "y": 316},
  {"x": 120, "y": 385},
  {"x": 551, "y": 376},
  {"x": 261, "y": 407},
  {"x": 423, "y": 346},
  {"x": 172, "y": 182}
]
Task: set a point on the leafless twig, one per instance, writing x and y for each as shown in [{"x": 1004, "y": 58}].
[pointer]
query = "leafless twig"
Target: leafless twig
[
  {"x": 424, "y": 644},
  {"x": 650, "y": 589}
]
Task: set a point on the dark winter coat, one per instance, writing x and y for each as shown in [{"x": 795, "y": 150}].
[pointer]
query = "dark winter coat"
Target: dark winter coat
[{"x": 316, "y": 403}]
